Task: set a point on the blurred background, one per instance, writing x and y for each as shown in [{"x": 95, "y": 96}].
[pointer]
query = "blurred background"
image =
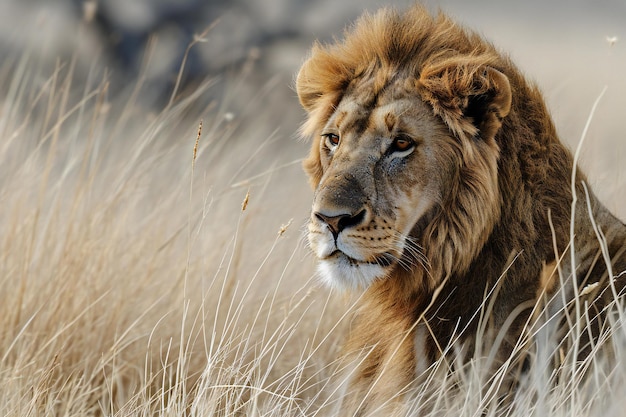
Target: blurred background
[
  {"x": 252, "y": 50},
  {"x": 119, "y": 223}
]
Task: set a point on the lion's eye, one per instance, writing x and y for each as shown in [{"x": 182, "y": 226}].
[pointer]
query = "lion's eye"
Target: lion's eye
[
  {"x": 402, "y": 144},
  {"x": 332, "y": 140}
]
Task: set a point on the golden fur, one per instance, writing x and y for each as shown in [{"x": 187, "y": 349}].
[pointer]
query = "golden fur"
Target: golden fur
[{"x": 438, "y": 176}]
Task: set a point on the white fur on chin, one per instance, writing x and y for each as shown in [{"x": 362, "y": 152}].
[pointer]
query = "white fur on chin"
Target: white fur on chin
[{"x": 342, "y": 274}]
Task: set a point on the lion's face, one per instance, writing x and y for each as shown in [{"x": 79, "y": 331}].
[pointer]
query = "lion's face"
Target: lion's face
[
  {"x": 404, "y": 160},
  {"x": 385, "y": 163}
]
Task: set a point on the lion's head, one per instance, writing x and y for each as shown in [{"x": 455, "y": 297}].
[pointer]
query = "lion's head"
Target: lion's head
[{"x": 404, "y": 154}]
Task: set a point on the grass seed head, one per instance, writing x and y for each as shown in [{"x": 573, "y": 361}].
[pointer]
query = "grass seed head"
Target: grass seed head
[
  {"x": 612, "y": 40},
  {"x": 195, "y": 147},
  {"x": 244, "y": 205},
  {"x": 284, "y": 228}
]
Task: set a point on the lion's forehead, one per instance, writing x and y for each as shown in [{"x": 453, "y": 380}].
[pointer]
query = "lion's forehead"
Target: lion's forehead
[{"x": 391, "y": 112}]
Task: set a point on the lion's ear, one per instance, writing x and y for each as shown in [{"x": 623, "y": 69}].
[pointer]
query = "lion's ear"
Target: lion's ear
[
  {"x": 472, "y": 101},
  {"x": 320, "y": 80},
  {"x": 307, "y": 93}
]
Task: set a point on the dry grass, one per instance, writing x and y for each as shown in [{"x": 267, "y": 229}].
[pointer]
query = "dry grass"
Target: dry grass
[
  {"x": 133, "y": 281},
  {"x": 136, "y": 283}
]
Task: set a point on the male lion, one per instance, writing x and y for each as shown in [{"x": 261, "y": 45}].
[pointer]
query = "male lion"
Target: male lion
[{"x": 442, "y": 190}]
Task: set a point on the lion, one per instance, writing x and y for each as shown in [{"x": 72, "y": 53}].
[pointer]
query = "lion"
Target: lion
[{"x": 441, "y": 187}]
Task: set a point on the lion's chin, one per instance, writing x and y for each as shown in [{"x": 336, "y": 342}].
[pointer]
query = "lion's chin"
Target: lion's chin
[{"x": 345, "y": 273}]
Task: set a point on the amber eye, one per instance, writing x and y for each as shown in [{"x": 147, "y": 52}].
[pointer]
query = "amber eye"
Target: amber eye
[
  {"x": 332, "y": 140},
  {"x": 402, "y": 144}
]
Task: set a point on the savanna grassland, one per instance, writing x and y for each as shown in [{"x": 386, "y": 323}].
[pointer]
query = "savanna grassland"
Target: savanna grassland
[
  {"x": 149, "y": 264},
  {"x": 153, "y": 262}
]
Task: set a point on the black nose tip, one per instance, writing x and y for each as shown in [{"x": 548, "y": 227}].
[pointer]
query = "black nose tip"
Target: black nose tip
[{"x": 338, "y": 223}]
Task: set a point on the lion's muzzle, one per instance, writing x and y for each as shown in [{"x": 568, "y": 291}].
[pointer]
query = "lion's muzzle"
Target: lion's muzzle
[{"x": 354, "y": 245}]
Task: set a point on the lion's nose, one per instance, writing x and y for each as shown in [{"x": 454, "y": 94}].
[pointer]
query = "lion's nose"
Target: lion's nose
[{"x": 337, "y": 223}]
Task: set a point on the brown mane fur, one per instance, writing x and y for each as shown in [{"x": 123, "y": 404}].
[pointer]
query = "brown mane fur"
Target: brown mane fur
[{"x": 493, "y": 234}]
